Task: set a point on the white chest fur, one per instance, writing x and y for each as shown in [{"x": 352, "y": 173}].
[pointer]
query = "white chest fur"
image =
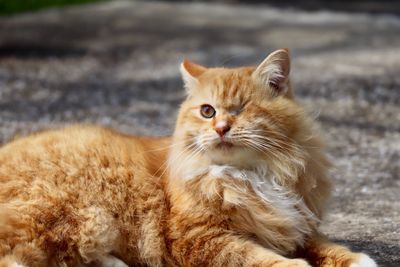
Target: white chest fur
[{"x": 283, "y": 214}]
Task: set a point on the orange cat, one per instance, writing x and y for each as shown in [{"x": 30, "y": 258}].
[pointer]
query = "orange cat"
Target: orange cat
[{"x": 243, "y": 182}]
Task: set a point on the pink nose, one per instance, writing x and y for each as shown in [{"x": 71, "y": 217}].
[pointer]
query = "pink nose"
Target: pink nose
[{"x": 222, "y": 130}]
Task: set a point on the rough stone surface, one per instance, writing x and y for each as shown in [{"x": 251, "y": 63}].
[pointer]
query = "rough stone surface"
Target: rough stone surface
[{"x": 116, "y": 64}]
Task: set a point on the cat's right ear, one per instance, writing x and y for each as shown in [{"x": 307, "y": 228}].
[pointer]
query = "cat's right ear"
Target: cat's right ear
[
  {"x": 190, "y": 72},
  {"x": 273, "y": 72}
]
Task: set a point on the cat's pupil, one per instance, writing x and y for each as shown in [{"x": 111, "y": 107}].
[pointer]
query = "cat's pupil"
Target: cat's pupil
[{"x": 207, "y": 111}]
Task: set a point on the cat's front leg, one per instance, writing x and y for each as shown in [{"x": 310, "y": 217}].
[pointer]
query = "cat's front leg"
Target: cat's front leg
[
  {"x": 322, "y": 252},
  {"x": 215, "y": 248}
]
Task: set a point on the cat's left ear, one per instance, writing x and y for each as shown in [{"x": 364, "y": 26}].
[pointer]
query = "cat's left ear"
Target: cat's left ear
[
  {"x": 273, "y": 72},
  {"x": 190, "y": 73}
]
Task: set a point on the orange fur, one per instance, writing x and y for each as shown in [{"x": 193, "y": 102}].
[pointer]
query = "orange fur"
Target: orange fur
[{"x": 86, "y": 195}]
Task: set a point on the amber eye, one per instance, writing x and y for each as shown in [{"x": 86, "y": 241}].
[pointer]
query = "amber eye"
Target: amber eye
[{"x": 207, "y": 111}]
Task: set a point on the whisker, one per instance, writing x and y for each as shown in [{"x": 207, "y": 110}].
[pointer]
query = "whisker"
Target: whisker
[
  {"x": 285, "y": 137},
  {"x": 195, "y": 153},
  {"x": 173, "y": 144},
  {"x": 168, "y": 162}
]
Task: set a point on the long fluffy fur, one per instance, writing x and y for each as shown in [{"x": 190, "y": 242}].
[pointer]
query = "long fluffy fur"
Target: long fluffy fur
[{"x": 86, "y": 195}]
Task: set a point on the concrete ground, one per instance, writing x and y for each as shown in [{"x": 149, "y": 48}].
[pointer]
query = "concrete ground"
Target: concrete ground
[{"x": 116, "y": 64}]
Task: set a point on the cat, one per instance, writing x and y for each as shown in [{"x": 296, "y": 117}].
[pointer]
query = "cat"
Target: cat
[{"x": 242, "y": 182}]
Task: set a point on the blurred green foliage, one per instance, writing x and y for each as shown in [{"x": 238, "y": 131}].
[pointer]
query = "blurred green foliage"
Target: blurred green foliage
[{"x": 8, "y": 7}]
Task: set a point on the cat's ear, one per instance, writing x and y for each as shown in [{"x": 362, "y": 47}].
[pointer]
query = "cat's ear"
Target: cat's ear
[
  {"x": 190, "y": 72},
  {"x": 273, "y": 72}
]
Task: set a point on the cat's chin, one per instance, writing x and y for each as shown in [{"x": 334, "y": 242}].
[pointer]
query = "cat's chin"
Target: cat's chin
[{"x": 224, "y": 146}]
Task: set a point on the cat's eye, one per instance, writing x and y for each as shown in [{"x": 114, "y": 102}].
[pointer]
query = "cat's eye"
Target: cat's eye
[{"x": 207, "y": 111}]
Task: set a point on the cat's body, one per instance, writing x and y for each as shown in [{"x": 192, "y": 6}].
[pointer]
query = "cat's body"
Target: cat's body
[
  {"x": 81, "y": 192},
  {"x": 243, "y": 182}
]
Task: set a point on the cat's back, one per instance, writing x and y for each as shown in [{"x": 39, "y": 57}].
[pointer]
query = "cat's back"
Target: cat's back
[
  {"x": 77, "y": 158},
  {"x": 73, "y": 146},
  {"x": 64, "y": 139}
]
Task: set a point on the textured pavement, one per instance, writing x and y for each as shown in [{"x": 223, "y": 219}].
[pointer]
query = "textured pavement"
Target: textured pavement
[{"x": 116, "y": 64}]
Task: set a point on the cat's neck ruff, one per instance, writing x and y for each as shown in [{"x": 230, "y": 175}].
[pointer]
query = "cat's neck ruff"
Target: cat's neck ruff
[
  {"x": 186, "y": 166},
  {"x": 283, "y": 200},
  {"x": 244, "y": 167}
]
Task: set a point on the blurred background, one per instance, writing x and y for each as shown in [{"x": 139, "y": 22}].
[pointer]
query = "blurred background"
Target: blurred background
[{"x": 115, "y": 63}]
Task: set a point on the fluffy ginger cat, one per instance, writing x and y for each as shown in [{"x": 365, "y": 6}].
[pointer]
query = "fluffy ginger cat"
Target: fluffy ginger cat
[{"x": 242, "y": 182}]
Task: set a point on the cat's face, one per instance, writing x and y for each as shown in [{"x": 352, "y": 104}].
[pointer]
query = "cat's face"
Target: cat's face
[{"x": 234, "y": 115}]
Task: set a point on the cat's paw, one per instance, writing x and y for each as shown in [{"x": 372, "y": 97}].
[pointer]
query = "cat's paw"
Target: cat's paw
[
  {"x": 298, "y": 263},
  {"x": 112, "y": 261},
  {"x": 363, "y": 261},
  {"x": 289, "y": 263},
  {"x": 8, "y": 261}
]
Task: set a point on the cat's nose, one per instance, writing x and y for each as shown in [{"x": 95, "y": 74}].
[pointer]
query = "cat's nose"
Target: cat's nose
[{"x": 222, "y": 128}]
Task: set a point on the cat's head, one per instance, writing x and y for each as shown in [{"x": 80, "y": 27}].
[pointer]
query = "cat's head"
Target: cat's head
[{"x": 238, "y": 116}]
